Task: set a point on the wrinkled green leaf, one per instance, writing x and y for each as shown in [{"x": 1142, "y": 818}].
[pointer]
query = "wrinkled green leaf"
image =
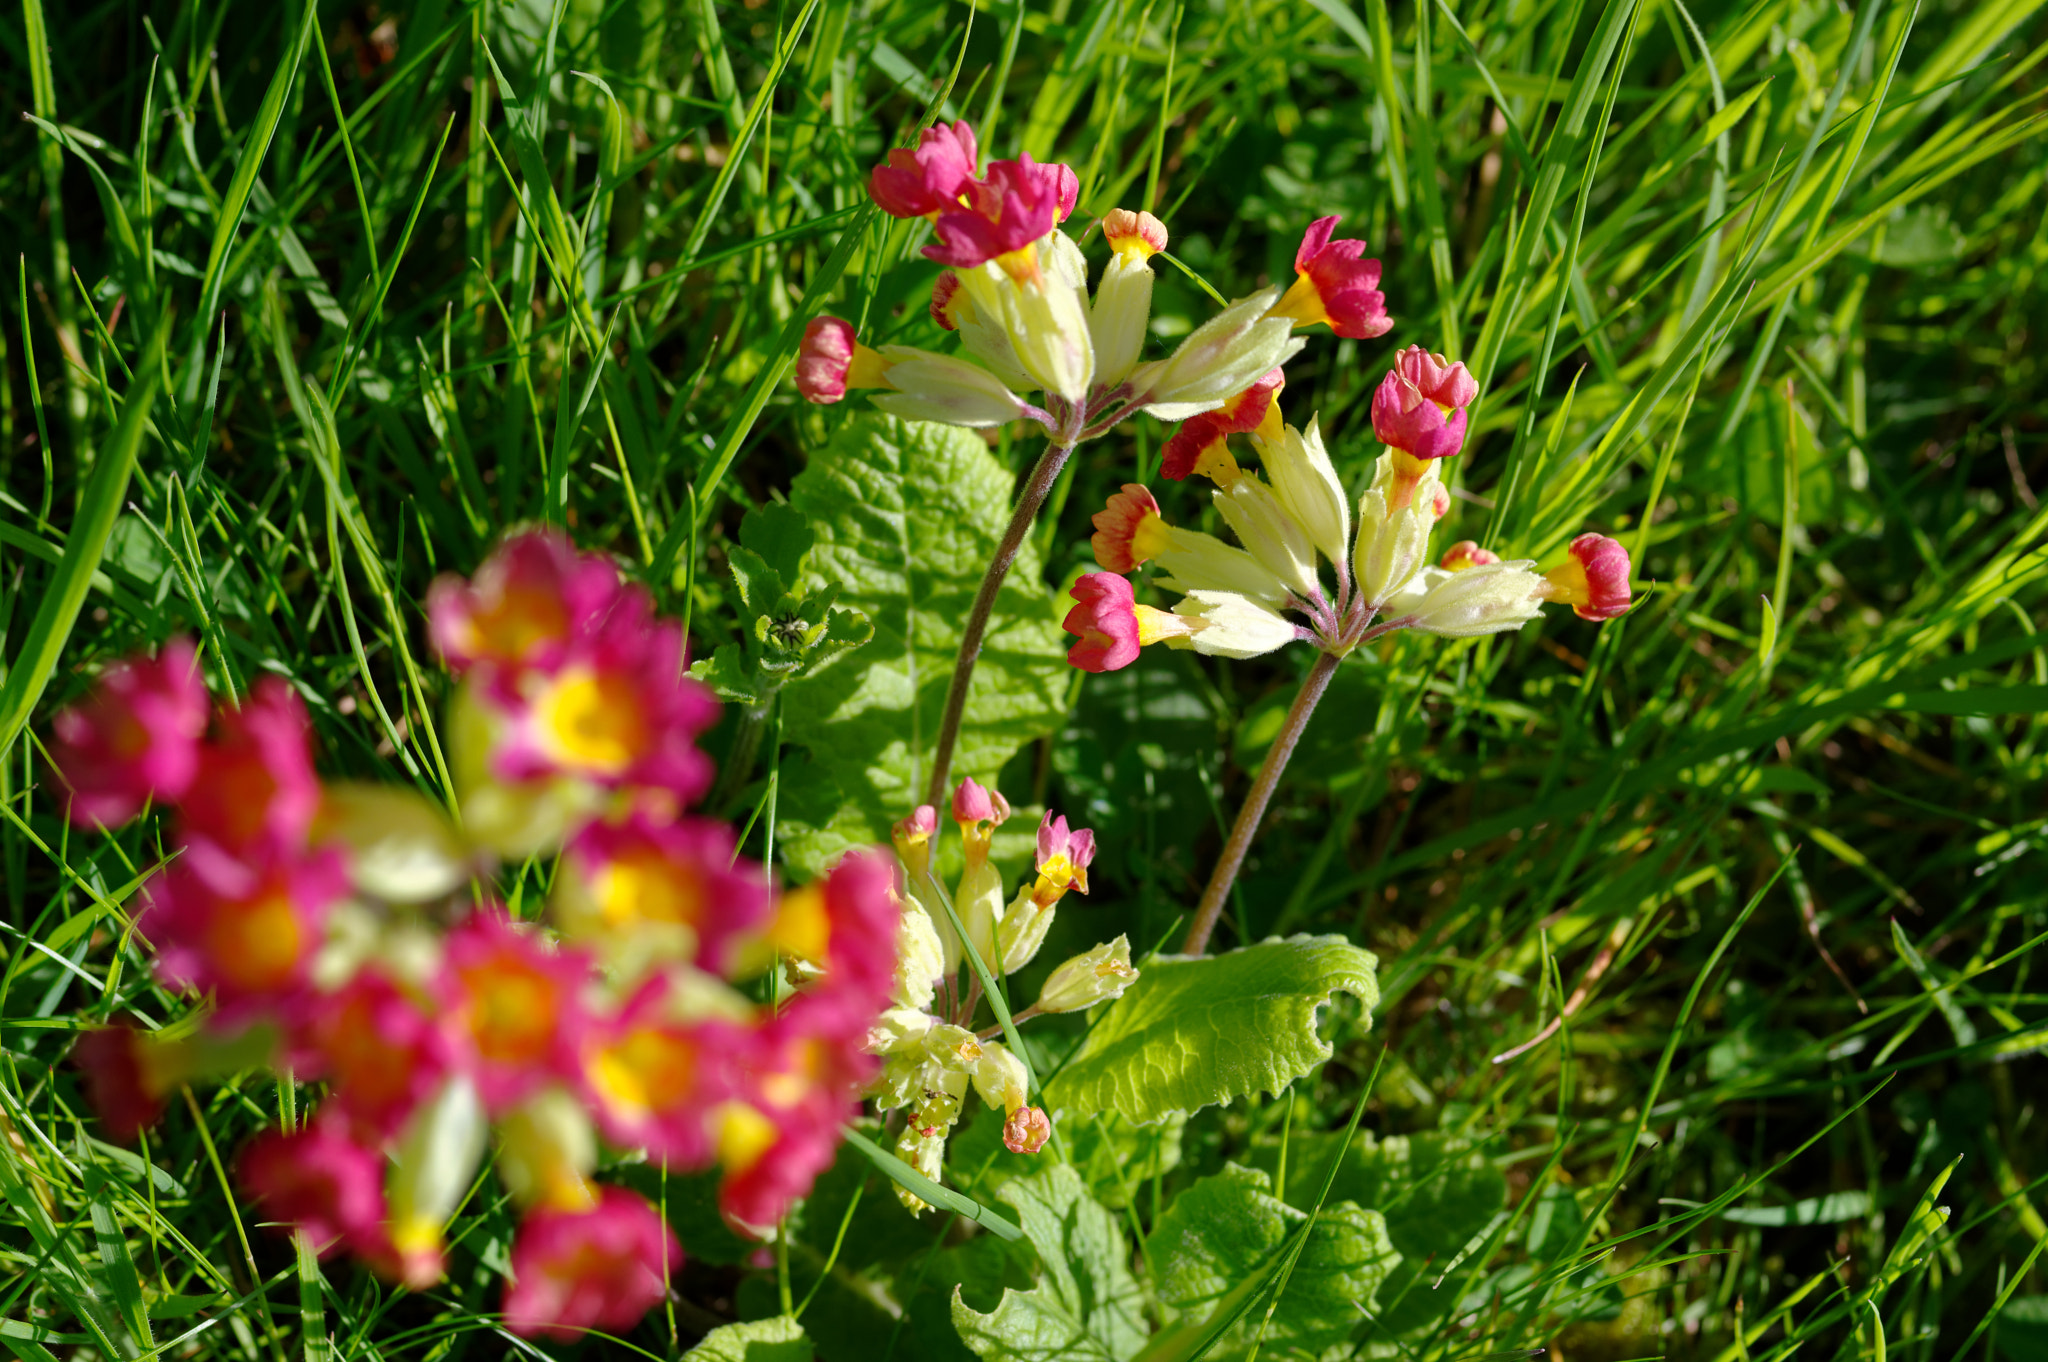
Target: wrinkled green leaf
[
  {"x": 761, "y": 1340},
  {"x": 1192, "y": 1032},
  {"x": 1225, "y": 1230},
  {"x": 907, "y": 516},
  {"x": 1086, "y": 1304}
]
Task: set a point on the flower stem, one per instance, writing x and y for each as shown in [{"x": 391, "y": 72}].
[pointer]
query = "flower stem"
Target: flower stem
[
  {"x": 1042, "y": 478},
  {"x": 1248, "y": 817}
]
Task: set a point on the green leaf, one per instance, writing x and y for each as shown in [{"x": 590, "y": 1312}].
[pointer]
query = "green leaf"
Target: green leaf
[
  {"x": 780, "y": 1339},
  {"x": 729, "y": 674},
  {"x": 1192, "y": 1032},
  {"x": 907, "y": 516},
  {"x": 2023, "y": 1328},
  {"x": 760, "y": 586},
  {"x": 781, "y": 535},
  {"x": 1086, "y": 1304},
  {"x": 1225, "y": 1231}
]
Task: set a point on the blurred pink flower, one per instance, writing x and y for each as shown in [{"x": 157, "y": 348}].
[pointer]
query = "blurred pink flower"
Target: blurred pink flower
[
  {"x": 318, "y": 1181},
  {"x": 134, "y": 737},
  {"x": 601, "y": 1268},
  {"x": 522, "y": 1005}
]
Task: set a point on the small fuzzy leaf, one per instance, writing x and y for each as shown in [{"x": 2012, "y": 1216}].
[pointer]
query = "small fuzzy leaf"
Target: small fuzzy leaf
[
  {"x": 729, "y": 674},
  {"x": 1196, "y": 1031},
  {"x": 1086, "y": 1304}
]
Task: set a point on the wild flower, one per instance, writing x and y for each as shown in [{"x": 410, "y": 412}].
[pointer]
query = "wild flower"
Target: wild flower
[
  {"x": 336, "y": 930},
  {"x": 929, "y": 1057}
]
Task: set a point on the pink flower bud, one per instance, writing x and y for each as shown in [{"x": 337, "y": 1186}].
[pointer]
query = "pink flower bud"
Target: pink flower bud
[
  {"x": 1105, "y": 620},
  {"x": 930, "y": 179},
  {"x": 971, "y": 803},
  {"x": 1420, "y": 405},
  {"x": 1133, "y": 233},
  {"x": 1333, "y": 284},
  {"x": 136, "y": 737},
  {"x": 1129, "y": 530},
  {"x": 1026, "y": 1131},
  {"x": 1466, "y": 553},
  {"x": 1593, "y": 580},
  {"x": 601, "y": 1268},
  {"x": 1199, "y": 445},
  {"x": 824, "y": 359}
]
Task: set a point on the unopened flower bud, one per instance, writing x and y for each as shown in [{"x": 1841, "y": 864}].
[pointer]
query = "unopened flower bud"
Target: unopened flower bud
[
  {"x": 1264, "y": 525},
  {"x": 1123, "y": 296},
  {"x": 1308, "y": 487},
  {"x": 1593, "y": 579},
  {"x": 925, "y": 1153},
  {"x": 831, "y": 361},
  {"x": 1222, "y": 356},
  {"x": 1092, "y": 977},
  {"x": 1026, "y": 1131},
  {"x": 1480, "y": 600},
  {"x": 1464, "y": 554},
  {"x": 929, "y": 387}
]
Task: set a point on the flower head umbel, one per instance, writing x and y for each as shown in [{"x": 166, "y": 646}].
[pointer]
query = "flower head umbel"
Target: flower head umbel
[
  {"x": 338, "y": 936},
  {"x": 1236, "y": 601},
  {"x": 137, "y": 737},
  {"x": 1016, "y": 293}
]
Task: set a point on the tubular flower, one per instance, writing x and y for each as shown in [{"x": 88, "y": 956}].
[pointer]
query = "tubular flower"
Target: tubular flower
[
  {"x": 1198, "y": 446},
  {"x": 1089, "y": 978},
  {"x": 1419, "y": 407},
  {"x": 1123, "y": 296},
  {"x": 1593, "y": 579},
  {"x": 924, "y": 182},
  {"x": 1222, "y": 356},
  {"x": 644, "y": 892},
  {"x": 255, "y": 781},
  {"x": 135, "y": 738},
  {"x": 596, "y": 1269},
  {"x": 318, "y": 1181},
  {"x": 521, "y": 1004},
  {"x": 1466, "y": 554},
  {"x": 1111, "y": 626},
  {"x": 527, "y": 608},
  {"x": 1063, "y": 860},
  {"x": 1334, "y": 284}
]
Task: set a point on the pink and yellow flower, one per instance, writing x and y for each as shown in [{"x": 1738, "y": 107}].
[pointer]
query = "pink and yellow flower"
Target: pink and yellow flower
[
  {"x": 845, "y": 924},
  {"x": 521, "y": 1004},
  {"x": 244, "y": 930},
  {"x": 1419, "y": 407},
  {"x": 799, "y": 1082},
  {"x": 1129, "y": 530},
  {"x": 255, "y": 781},
  {"x": 831, "y": 361},
  {"x": 1019, "y": 202},
  {"x": 1593, "y": 579},
  {"x": 1063, "y": 859},
  {"x": 318, "y": 1181},
  {"x": 644, "y": 890},
  {"x": 382, "y": 1050},
  {"x": 1466, "y": 553},
  {"x": 1026, "y": 1130},
  {"x": 126, "y": 1074},
  {"x": 134, "y": 738},
  {"x": 654, "y": 1079},
  {"x": 1199, "y": 445},
  {"x": 596, "y": 1269},
  {"x": 527, "y": 607},
  {"x": 1334, "y": 284},
  {"x": 1109, "y": 625}
]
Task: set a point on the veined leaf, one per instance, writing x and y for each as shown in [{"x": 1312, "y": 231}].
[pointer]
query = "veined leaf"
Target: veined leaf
[
  {"x": 1192, "y": 1032},
  {"x": 780, "y": 1339},
  {"x": 907, "y": 516},
  {"x": 1086, "y": 1304}
]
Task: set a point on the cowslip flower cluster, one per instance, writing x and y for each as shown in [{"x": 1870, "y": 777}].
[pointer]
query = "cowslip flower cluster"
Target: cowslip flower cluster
[
  {"x": 345, "y": 933},
  {"x": 1016, "y": 292},
  {"x": 930, "y": 1053},
  {"x": 1233, "y": 598}
]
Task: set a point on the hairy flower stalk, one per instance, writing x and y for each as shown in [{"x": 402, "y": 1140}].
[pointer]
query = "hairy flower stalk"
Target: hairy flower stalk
[
  {"x": 1016, "y": 293},
  {"x": 1237, "y": 601}
]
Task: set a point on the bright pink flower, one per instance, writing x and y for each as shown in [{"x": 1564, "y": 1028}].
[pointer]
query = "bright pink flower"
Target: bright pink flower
[
  {"x": 574, "y": 1271},
  {"x": 619, "y": 712},
  {"x": 799, "y": 1082},
  {"x": 528, "y": 606},
  {"x": 521, "y": 1004},
  {"x": 135, "y": 737},
  {"x": 660, "y": 888},
  {"x": 255, "y": 781},
  {"x": 1063, "y": 859},
  {"x": 931, "y": 179},
  {"x": 1017, "y": 204},
  {"x": 654, "y": 1078},
  {"x": 1593, "y": 580},
  {"x": 1466, "y": 553},
  {"x": 823, "y": 361},
  {"x": 1333, "y": 284},
  {"x": 1199, "y": 445},
  {"x": 1026, "y": 1131},
  {"x": 243, "y": 930},
  {"x": 382, "y": 1050},
  {"x": 124, "y": 1077},
  {"x": 971, "y": 802},
  {"x": 318, "y": 1181},
  {"x": 1105, "y": 619},
  {"x": 1420, "y": 404},
  {"x": 1129, "y": 530}
]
